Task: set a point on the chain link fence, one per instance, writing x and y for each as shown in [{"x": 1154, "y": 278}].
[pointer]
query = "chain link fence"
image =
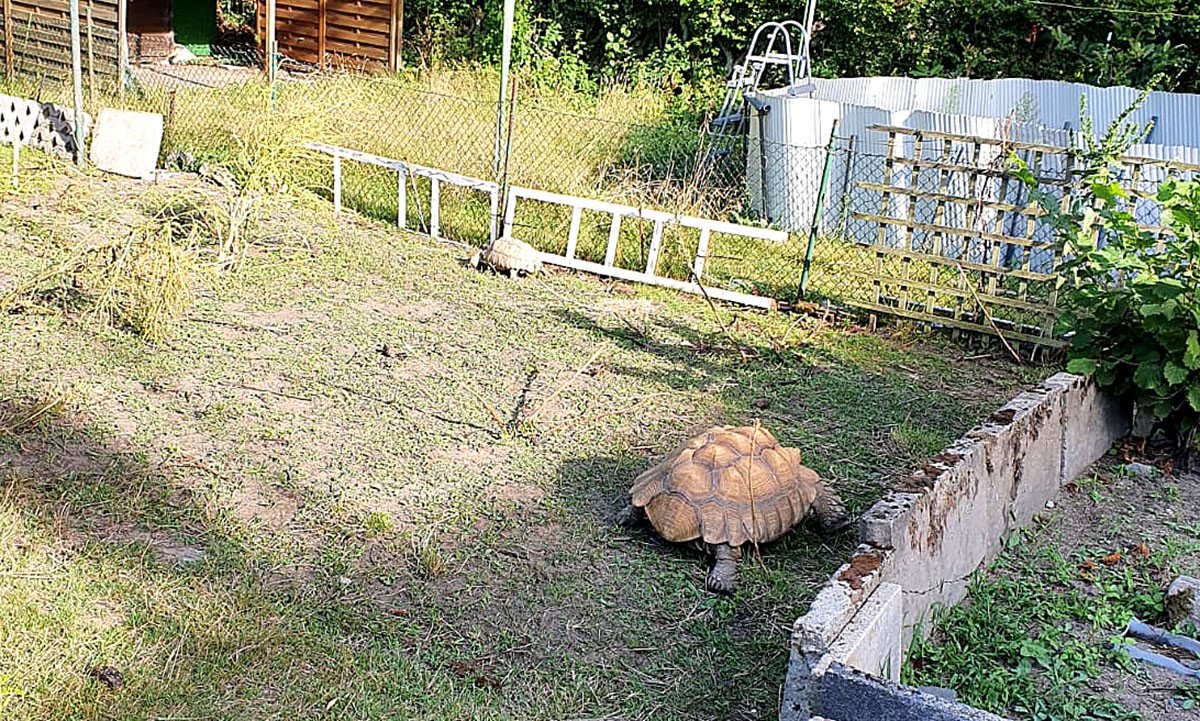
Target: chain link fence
[{"x": 891, "y": 223}]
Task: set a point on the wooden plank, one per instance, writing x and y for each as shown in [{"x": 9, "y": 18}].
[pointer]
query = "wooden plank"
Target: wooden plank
[
  {"x": 322, "y": 24},
  {"x": 967, "y": 265},
  {"x": 941, "y": 134},
  {"x": 123, "y": 45},
  {"x": 614, "y": 235},
  {"x": 8, "y": 36},
  {"x": 352, "y": 26},
  {"x": 366, "y": 39},
  {"x": 993, "y": 172},
  {"x": 1030, "y": 209},
  {"x": 754, "y": 301},
  {"x": 655, "y": 247},
  {"x": 885, "y": 205},
  {"x": 301, "y": 15},
  {"x": 1011, "y": 335},
  {"x": 382, "y": 11},
  {"x": 573, "y": 232},
  {"x": 358, "y": 51},
  {"x": 103, "y": 13},
  {"x": 939, "y": 212},
  {"x": 396, "y": 36},
  {"x": 942, "y": 289},
  {"x": 952, "y": 230}
]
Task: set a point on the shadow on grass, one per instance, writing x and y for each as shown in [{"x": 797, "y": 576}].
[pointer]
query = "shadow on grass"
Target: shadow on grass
[{"x": 112, "y": 561}]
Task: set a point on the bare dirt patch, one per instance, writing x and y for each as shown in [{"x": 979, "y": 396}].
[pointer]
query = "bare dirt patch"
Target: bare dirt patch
[
  {"x": 1130, "y": 517},
  {"x": 422, "y": 312},
  {"x": 263, "y": 505}
]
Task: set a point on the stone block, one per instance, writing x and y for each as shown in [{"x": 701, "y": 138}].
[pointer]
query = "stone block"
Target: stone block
[
  {"x": 846, "y": 694},
  {"x": 127, "y": 142},
  {"x": 1093, "y": 421},
  {"x": 871, "y": 641},
  {"x": 1182, "y": 604}
]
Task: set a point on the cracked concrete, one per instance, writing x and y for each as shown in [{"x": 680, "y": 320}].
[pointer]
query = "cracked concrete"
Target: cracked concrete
[{"x": 920, "y": 544}]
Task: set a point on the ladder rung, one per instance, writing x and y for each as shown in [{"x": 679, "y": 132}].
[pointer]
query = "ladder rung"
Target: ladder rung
[
  {"x": 727, "y": 119},
  {"x": 774, "y": 59}
]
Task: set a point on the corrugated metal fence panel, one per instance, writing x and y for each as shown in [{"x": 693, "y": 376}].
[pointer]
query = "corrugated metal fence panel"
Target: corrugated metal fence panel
[{"x": 1044, "y": 102}]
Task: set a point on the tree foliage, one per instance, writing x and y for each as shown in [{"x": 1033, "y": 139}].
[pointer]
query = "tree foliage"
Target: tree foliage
[{"x": 1115, "y": 42}]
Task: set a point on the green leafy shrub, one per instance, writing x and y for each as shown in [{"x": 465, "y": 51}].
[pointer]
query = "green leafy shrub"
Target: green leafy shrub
[{"x": 1129, "y": 295}]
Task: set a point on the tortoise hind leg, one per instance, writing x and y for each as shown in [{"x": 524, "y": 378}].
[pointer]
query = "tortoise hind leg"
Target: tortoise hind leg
[
  {"x": 723, "y": 577},
  {"x": 829, "y": 512}
]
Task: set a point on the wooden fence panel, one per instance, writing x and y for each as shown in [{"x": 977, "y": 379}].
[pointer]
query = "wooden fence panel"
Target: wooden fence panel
[{"x": 959, "y": 241}]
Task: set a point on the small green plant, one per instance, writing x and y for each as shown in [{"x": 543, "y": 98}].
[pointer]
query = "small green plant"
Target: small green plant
[
  {"x": 1129, "y": 294},
  {"x": 378, "y": 523},
  {"x": 1037, "y": 629}
]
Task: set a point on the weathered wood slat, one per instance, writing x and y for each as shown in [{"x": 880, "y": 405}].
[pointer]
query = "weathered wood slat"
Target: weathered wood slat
[
  {"x": 366, "y": 52},
  {"x": 957, "y": 292},
  {"x": 966, "y": 265},
  {"x": 1011, "y": 335},
  {"x": 950, "y": 230},
  {"x": 367, "y": 37}
]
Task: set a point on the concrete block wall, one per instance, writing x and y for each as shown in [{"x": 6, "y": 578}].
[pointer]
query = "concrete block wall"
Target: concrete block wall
[
  {"x": 45, "y": 126},
  {"x": 920, "y": 544}
]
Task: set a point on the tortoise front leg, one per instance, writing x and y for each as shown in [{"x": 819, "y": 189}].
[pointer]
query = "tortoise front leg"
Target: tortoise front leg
[
  {"x": 723, "y": 576},
  {"x": 829, "y": 511},
  {"x": 630, "y": 515}
]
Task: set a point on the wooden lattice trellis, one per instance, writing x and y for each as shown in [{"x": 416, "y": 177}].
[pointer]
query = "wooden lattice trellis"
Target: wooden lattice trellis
[{"x": 960, "y": 243}]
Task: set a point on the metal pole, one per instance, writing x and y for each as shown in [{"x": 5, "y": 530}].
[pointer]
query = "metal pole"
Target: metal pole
[
  {"x": 816, "y": 221},
  {"x": 77, "y": 81},
  {"x": 91, "y": 60},
  {"x": 122, "y": 48},
  {"x": 505, "y": 60},
  {"x": 271, "y": 42}
]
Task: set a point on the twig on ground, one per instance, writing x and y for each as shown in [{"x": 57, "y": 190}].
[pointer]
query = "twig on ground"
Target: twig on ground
[
  {"x": 284, "y": 394},
  {"x": 239, "y": 325},
  {"x": 574, "y": 422},
  {"x": 979, "y": 304},
  {"x": 582, "y": 369}
]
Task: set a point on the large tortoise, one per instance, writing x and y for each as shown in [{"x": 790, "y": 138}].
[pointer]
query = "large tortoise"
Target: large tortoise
[
  {"x": 509, "y": 255},
  {"x": 727, "y": 487}
]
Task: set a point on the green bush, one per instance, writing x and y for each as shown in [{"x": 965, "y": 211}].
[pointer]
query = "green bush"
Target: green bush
[{"x": 1129, "y": 295}]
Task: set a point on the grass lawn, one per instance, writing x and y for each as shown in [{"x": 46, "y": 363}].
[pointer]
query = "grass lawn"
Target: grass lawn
[
  {"x": 1034, "y": 638},
  {"x": 363, "y": 481}
]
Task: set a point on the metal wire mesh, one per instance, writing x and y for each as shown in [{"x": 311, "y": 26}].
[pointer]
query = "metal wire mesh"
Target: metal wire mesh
[{"x": 934, "y": 227}]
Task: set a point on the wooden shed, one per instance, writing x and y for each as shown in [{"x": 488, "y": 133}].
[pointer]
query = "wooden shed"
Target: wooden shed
[
  {"x": 321, "y": 32},
  {"x": 35, "y": 35}
]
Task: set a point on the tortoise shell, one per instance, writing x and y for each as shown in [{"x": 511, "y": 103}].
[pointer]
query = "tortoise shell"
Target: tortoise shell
[
  {"x": 509, "y": 254},
  {"x": 727, "y": 485}
]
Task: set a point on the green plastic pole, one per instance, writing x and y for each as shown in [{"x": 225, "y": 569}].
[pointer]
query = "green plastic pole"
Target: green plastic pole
[{"x": 816, "y": 221}]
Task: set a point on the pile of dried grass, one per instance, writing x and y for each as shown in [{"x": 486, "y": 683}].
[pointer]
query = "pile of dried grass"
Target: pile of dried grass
[{"x": 142, "y": 281}]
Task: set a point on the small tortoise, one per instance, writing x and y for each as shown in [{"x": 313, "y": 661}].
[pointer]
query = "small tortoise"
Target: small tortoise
[
  {"x": 727, "y": 487},
  {"x": 509, "y": 255}
]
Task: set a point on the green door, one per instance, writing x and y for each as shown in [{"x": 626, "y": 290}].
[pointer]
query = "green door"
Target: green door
[{"x": 195, "y": 25}]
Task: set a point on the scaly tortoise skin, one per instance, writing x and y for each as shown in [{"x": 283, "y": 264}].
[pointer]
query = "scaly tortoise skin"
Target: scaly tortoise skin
[
  {"x": 509, "y": 255},
  {"x": 727, "y": 487}
]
